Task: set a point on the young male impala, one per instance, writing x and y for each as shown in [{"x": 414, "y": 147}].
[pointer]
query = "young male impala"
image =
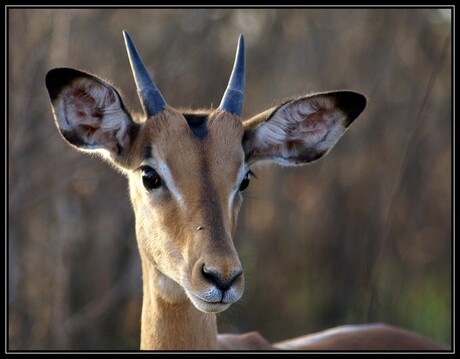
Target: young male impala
[{"x": 186, "y": 171}]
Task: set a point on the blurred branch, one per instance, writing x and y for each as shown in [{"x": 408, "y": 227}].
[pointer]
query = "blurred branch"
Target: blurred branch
[
  {"x": 401, "y": 169},
  {"x": 101, "y": 306}
]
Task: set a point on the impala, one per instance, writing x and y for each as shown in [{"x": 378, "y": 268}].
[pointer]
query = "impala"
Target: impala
[{"x": 186, "y": 171}]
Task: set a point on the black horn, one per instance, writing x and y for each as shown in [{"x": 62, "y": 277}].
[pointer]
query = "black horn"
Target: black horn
[
  {"x": 151, "y": 99},
  {"x": 233, "y": 98}
]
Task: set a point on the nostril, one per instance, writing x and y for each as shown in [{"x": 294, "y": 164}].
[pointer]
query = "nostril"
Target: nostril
[
  {"x": 216, "y": 278},
  {"x": 210, "y": 275}
]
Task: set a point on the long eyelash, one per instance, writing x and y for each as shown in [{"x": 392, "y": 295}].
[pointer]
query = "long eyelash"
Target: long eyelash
[{"x": 252, "y": 174}]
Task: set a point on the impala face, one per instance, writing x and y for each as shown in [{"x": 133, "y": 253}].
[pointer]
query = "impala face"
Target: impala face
[
  {"x": 187, "y": 169},
  {"x": 187, "y": 190}
]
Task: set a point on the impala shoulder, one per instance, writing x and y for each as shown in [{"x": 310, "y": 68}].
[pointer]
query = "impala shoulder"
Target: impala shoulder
[
  {"x": 246, "y": 341},
  {"x": 375, "y": 336}
]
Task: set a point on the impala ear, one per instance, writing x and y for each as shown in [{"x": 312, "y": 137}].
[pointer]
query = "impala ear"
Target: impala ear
[
  {"x": 89, "y": 112},
  {"x": 301, "y": 130}
]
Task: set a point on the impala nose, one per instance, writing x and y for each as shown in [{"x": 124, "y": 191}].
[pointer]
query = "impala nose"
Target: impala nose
[{"x": 221, "y": 282}]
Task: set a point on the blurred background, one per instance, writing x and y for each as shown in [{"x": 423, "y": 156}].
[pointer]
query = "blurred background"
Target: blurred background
[{"x": 363, "y": 235}]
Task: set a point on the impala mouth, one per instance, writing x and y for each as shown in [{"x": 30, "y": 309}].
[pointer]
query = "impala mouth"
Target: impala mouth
[
  {"x": 214, "y": 300},
  {"x": 207, "y": 306}
]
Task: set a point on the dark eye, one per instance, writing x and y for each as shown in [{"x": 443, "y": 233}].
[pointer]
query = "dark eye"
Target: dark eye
[
  {"x": 150, "y": 178},
  {"x": 245, "y": 182}
]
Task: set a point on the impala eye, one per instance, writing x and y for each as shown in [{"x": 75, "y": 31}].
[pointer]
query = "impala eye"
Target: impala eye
[
  {"x": 150, "y": 178},
  {"x": 245, "y": 182}
]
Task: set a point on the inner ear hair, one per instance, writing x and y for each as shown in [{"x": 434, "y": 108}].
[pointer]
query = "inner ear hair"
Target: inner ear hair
[
  {"x": 90, "y": 113},
  {"x": 301, "y": 130}
]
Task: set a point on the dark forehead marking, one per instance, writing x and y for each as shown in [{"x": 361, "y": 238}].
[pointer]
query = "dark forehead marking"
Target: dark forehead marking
[{"x": 197, "y": 123}]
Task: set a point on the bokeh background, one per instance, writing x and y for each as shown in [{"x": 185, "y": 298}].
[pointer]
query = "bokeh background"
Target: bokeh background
[{"x": 363, "y": 235}]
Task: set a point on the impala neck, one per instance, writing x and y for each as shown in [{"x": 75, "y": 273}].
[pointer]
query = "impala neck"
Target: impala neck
[{"x": 171, "y": 322}]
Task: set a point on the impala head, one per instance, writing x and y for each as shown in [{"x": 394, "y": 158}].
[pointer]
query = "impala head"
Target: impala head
[{"x": 187, "y": 169}]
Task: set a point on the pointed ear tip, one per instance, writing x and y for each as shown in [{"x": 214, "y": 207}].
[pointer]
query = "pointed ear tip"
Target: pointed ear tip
[
  {"x": 353, "y": 104},
  {"x": 57, "y": 78},
  {"x": 54, "y": 72},
  {"x": 49, "y": 75},
  {"x": 360, "y": 100},
  {"x": 350, "y": 100}
]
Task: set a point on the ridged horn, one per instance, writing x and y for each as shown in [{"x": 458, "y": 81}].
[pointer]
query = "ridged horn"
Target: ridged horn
[
  {"x": 150, "y": 97},
  {"x": 233, "y": 98}
]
